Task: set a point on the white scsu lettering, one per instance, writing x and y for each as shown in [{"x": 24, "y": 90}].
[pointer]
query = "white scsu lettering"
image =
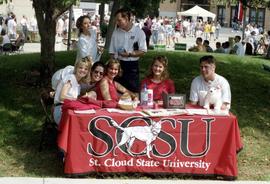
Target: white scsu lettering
[
  {"x": 93, "y": 162},
  {"x": 112, "y": 162},
  {"x": 147, "y": 163}
]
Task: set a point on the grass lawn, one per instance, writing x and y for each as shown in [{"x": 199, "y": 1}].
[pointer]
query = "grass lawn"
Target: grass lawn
[{"x": 21, "y": 114}]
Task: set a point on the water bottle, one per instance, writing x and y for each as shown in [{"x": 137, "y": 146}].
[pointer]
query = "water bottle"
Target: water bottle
[
  {"x": 150, "y": 98},
  {"x": 144, "y": 96}
]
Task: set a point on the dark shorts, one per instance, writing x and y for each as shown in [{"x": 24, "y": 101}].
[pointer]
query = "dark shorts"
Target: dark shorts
[{"x": 130, "y": 75}]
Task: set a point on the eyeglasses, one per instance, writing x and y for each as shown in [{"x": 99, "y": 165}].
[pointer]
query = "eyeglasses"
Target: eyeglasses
[{"x": 98, "y": 72}]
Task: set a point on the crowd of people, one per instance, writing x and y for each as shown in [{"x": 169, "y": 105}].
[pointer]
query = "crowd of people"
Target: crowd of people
[
  {"x": 203, "y": 46},
  {"x": 15, "y": 33},
  {"x": 157, "y": 30},
  {"x": 93, "y": 80}
]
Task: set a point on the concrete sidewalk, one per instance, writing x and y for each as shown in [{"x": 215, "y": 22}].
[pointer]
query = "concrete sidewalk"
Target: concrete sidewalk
[
  {"x": 20, "y": 180},
  {"x": 225, "y": 33}
]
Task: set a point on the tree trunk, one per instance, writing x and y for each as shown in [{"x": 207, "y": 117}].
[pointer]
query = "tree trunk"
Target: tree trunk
[
  {"x": 47, "y": 30},
  {"x": 268, "y": 52},
  {"x": 47, "y": 12},
  {"x": 101, "y": 13},
  {"x": 116, "y": 6},
  {"x": 47, "y": 57}
]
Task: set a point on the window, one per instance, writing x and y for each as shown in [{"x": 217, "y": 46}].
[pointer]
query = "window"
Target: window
[
  {"x": 233, "y": 11},
  {"x": 221, "y": 14},
  {"x": 259, "y": 19}
]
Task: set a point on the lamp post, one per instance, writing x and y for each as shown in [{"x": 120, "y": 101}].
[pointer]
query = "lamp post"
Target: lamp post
[
  {"x": 244, "y": 17},
  {"x": 69, "y": 28}
]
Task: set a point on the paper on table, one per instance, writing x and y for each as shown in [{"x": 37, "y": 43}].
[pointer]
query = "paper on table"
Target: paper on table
[
  {"x": 164, "y": 112},
  {"x": 172, "y": 112},
  {"x": 124, "y": 112},
  {"x": 89, "y": 111},
  {"x": 197, "y": 111},
  {"x": 208, "y": 112},
  {"x": 218, "y": 113}
]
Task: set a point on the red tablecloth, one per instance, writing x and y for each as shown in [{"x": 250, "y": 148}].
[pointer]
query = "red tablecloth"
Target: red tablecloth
[{"x": 206, "y": 145}]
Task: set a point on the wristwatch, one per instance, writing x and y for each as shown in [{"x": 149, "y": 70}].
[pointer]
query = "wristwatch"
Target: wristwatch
[{"x": 129, "y": 54}]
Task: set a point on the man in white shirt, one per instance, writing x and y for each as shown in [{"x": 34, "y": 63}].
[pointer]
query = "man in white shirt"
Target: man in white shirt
[
  {"x": 209, "y": 78},
  {"x": 238, "y": 47},
  {"x": 24, "y": 24},
  {"x": 11, "y": 26},
  {"x": 128, "y": 44}
]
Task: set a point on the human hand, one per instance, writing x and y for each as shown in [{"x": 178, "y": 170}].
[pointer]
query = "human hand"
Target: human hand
[
  {"x": 124, "y": 54},
  {"x": 69, "y": 83},
  {"x": 224, "y": 107}
]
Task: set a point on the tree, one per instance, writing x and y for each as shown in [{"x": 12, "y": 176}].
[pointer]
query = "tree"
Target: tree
[
  {"x": 47, "y": 13},
  {"x": 141, "y": 7}
]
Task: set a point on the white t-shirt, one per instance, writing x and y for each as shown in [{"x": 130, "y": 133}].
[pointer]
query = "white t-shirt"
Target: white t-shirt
[
  {"x": 11, "y": 27},
  {"x": 199, "y": 87},
  {"x": 60, "y": 26},
  {"x": 240, "y": 49},
  {"x": 87, "y": 46},
  {"x": 73, "y": 92},
  {"x": 122, "y": 39},
  {"x": 5, "y": 40},
  {"x": 23, "y": 22}
]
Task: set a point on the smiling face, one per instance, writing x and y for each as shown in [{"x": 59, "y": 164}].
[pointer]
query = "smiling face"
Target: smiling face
[
  {"x": 82, "y": 70},
  {"x": 157, "y": 69},
  {"x": 113, "y": 70},
  {"x": 97, "y": 74},
  {"x": 207, "y": 70}
]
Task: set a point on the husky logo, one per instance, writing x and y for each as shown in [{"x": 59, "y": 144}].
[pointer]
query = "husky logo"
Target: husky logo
[
  {"x": 126, "y": 136},
  {"x": 146, "y": 134}
]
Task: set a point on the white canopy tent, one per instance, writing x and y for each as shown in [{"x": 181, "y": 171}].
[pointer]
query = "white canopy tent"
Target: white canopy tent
[{"x": 197, "y": 11}]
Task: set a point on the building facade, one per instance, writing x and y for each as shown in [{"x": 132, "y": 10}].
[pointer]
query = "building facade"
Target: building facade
[{"x": 224, "y": 14}]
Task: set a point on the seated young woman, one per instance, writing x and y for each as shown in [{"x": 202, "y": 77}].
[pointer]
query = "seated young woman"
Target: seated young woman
[
  {"x": 158, "y": 78},
  {"x": 69, "y": 87},
  {"x": 107, "y": 88},
  {"x": 96, "y": 74}
]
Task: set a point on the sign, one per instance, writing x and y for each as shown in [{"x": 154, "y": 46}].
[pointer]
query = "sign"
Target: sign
[
  {"x": 174, "y": 101},
  {"x": 117, "y": 142},
  {"x": 77, "y": 12},
  {"x": 160, "y": 47},
  {"x": 180, "y": 46}
]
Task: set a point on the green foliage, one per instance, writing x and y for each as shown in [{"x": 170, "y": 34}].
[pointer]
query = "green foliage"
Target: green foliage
[
  {"x": 2, "y": 1},
  {"x": 21, "y": 113},
  {"x": 142, "y": 8}
]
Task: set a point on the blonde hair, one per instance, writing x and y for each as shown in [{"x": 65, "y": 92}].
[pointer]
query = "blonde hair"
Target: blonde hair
[
  {"x": 112, "y": 62},
  {"x": 87, "y": 62}
]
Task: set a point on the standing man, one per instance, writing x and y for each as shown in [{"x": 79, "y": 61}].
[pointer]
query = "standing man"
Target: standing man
[
  {"x": 209, "y": 78},
  {"x": 11, "y": 27},
  {"x": 238, "y": 47},
  {"x": 128, "y": 44},
  {"x": 24, "y": 24}
]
